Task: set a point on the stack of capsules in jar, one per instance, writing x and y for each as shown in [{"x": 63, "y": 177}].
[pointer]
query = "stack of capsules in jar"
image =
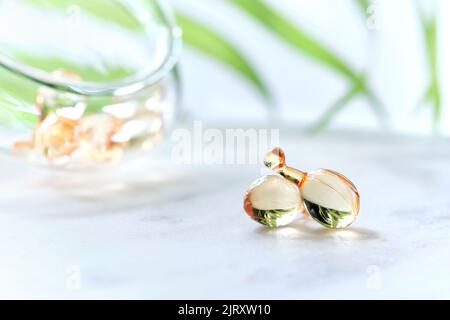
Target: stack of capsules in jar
[{"x": 67, "y": 133}]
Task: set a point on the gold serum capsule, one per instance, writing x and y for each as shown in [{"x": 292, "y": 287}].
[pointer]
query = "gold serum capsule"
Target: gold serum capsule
[
  {"x": 328, "y": 196},
  {"x": 272, "y": 201}
]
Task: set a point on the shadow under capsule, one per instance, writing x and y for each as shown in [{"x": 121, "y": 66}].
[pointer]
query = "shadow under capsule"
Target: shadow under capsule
[{"x": 306, "y": 229}]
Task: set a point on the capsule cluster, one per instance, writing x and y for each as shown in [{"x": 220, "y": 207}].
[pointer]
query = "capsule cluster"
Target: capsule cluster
[
  {"x": 70, "y": 132},
  {"x": 325, "y": 195}
]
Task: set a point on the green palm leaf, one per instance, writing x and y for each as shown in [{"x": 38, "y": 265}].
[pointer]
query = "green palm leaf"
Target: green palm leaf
[
  {"x": 214, "y": 45},
  {"x": 15, "y": 96},
  {"x": 432, "y": 94},
  {"x": 363, "y": 5},
  {"x": 294, "y": 36},
  {"x": 334, "y": 109},
  {"x": 310, "y": 47},
  {"x": 195, "y": 35},
  {"x": 14, "y": 112}
]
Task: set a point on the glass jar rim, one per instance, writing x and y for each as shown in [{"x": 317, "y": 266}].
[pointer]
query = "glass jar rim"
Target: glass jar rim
[{"x": 127, "y": 85}]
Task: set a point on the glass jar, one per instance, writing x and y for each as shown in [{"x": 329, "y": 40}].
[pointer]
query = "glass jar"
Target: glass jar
[{"x": 86, "y": 82}]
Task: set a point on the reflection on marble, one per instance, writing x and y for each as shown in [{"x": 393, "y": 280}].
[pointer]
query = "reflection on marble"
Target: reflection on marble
[
  {"x": 180, "y": 232},
  {"x": 308, "y": 230}
]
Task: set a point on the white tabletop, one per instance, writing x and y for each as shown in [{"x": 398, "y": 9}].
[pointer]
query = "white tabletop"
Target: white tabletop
[{"x": 180, "y": 231}]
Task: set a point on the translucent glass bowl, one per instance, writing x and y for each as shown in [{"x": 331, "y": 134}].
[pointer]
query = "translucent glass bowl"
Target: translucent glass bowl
[{"x": 86, "y": 82}]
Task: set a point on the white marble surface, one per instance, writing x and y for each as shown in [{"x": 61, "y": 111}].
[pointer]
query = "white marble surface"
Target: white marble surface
[{"x": 187, "y": 236}]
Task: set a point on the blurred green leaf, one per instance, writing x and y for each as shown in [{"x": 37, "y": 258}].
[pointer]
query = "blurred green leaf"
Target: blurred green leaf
[
  {"x": 209, "y": 42},
  {"x": 294, "y": 36},
  {"x": 334, "y": 109},
  {"x": 195, "y": 34},
  {"x": 14, "y": 112},
  {"x": 310, "y": 47},
  {"x": 354, "y": 91},
  {"x": 16, "y": 100},
  {"x": 363, "y": 5},
  {"x": 432, "y": 94},
  {"x": 13, "y": 88}
]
